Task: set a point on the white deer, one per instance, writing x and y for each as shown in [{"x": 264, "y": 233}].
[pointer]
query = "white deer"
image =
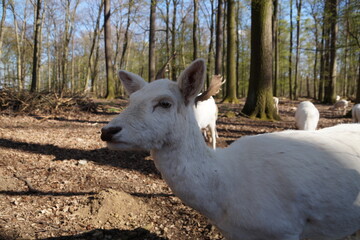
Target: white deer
[
  {"x": 205, "y": 109},
  {"x": 306, "y": 116},
  {"x": 282, "y": 186}
]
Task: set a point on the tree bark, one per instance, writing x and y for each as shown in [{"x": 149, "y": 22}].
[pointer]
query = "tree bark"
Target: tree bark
[
  {"x": 316, "y": 33},
  {"x": 290, "y": 52},
  {"x": 152, "y": 60},
  {"x": 275, "y": 46},
  {"x": 219, "y": 39},
  {"x": 330, "y": 44},
  {"x": 194, "y": 33},
  {"x": 211, "y": 43},
  {"x": 19, "y": 43},
  {"x": 297, "y": 58},
  {"x": 35, "y": 64},
  {"x": 173, "y": 41},
  {"x": 357, "y": 100},
  {"x": 2, "y": 22},
  {"x": 231, "y": 54},
  {"x": 322, "y": 66},
  {"x": 110, "y": 92},
  {"x": 94, "y": 41},
  {"x": 259, "y": 102}
]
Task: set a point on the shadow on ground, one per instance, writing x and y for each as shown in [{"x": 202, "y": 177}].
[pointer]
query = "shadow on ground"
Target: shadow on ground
[
  {"x": 97, "y": 234},
  {"x": 134, "y": 160}
]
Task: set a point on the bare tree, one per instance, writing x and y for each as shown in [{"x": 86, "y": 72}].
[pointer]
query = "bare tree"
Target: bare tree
[
  {"x": 126, "y": 35},
  {"x": 2, "y": 21},
  {"x": 211, "y": 43},
  {"x": 35, "y": 70},
  {"x": 19, "y": 37},
  {"x": 110, "y": 92},
  {"x": 94, "y": 40},
  {"x": 290, "y": 52},
  {"x": 219, "y": 38},
  {"x": 194, "y": 33},
  {"x": 314, "y": 14},
  {"x": 173, "y": 40},
  {"x": 231, "y": 54},
  {"x": 275, "y": 23},
  {"x": 67, "y": 35},
  {"x": 297, "y": 58},
  {"x": 330, "y": 24},
  {"x": 152, "y": 60}
]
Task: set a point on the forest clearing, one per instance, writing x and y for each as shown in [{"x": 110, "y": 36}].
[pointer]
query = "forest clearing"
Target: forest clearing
[
  {"x": 58, "y": 181},
  {"x": 57, "y": 178}
]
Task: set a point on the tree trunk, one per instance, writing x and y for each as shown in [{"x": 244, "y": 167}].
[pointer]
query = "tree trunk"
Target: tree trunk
[
  {"x": 195, "y": 24},
  {"x": 68, "y": 31},
  {"x": 322, "y": 66},
  {"x": 2, "y": 22},
  {"x": 210, "y": 49},
  {"x": 219, "y": 39},
  {"x": 173, "y": 41},
  {"x": 94, "y": 41},
  {"x": 315, "y": 67},
  {"x": 152, "y": 59},
  {"x": 275, "y": 46},
  {"x": 167, "y": 30},
  {"x": 35, "y": 75},
  {"x": 290, "y": 52},
  {"x": 231, "y": 54},
  {"x": 330, "y": 44},
  {"x": 297, "y": 59},
  {"x": 357, "y": 100},
  {"x": 259, "y": 102},
  {"x": 110, "y": 92},
  {"x": 18, "y": 49}
]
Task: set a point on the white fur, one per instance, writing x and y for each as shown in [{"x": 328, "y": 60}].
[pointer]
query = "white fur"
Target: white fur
[
  {"x": 340, "y": 105},
  {"x": 356, "y": 113},
  {"x": 306, "y": 116},
  {"x": 206, "y": 113},
  {"x": 276, "y": 104},
  {"x": 278, "y": 186},
  {"x": 338, "y": 97}
]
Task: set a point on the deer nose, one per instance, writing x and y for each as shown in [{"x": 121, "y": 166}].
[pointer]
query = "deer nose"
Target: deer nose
[{"x": 108, "y": 133}]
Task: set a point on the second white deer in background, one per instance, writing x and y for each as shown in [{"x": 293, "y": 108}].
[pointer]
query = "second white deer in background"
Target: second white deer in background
[
  {"x": 339, "y": 105},
  {"x": 286, "y": 185},
  {"x": 355, "y": 112},
  {"x": 306, "y": 116},
  {"x": 276, "y": 104},
  {"x": 205, "y": 109}
]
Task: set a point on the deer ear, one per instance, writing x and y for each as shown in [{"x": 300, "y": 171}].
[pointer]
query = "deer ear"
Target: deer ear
[
  {"x": 191, "y": 80},
  {"x": 131, "y": 81}
]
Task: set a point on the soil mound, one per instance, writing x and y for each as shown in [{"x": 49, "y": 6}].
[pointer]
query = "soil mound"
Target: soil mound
[{"x": 113, "y": 208}]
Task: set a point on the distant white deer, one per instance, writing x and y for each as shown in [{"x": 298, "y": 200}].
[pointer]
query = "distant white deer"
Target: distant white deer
[
  {"x": 276, "y": 104},
  {"x": 281, "y": 186},
  {"x": 339, "y": 105},
  {"x": 206, "y": 111},
  {"x": 306, "y": 116},
  {"x": 355, "y": 112}
]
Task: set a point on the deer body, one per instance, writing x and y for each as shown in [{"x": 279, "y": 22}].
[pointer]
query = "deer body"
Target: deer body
[
  {"x": 306, "y": 116},
  {"x": 355, "y": 113},
  {"x": 206, "y": 113},
  {"x": 283, "y": 186}
]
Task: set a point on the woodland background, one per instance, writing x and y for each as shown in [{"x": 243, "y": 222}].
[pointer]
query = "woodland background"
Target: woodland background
[{"x": 76, "y": 46}]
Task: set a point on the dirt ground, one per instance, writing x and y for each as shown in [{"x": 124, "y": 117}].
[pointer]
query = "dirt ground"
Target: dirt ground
[{"x": 58, "y": 181}]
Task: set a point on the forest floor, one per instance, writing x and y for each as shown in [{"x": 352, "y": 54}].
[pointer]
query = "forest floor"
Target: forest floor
[{"x": 58, "y": 180}]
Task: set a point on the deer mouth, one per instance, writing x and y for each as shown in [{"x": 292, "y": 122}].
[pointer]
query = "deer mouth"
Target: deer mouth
[{"x": 118, "y": 145}]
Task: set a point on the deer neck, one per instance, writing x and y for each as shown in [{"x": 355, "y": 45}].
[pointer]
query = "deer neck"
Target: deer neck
[{"x": 189, "y": 168}]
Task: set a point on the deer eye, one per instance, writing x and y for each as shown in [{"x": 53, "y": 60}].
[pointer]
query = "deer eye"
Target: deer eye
[{"x": 164, "y": 104}]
